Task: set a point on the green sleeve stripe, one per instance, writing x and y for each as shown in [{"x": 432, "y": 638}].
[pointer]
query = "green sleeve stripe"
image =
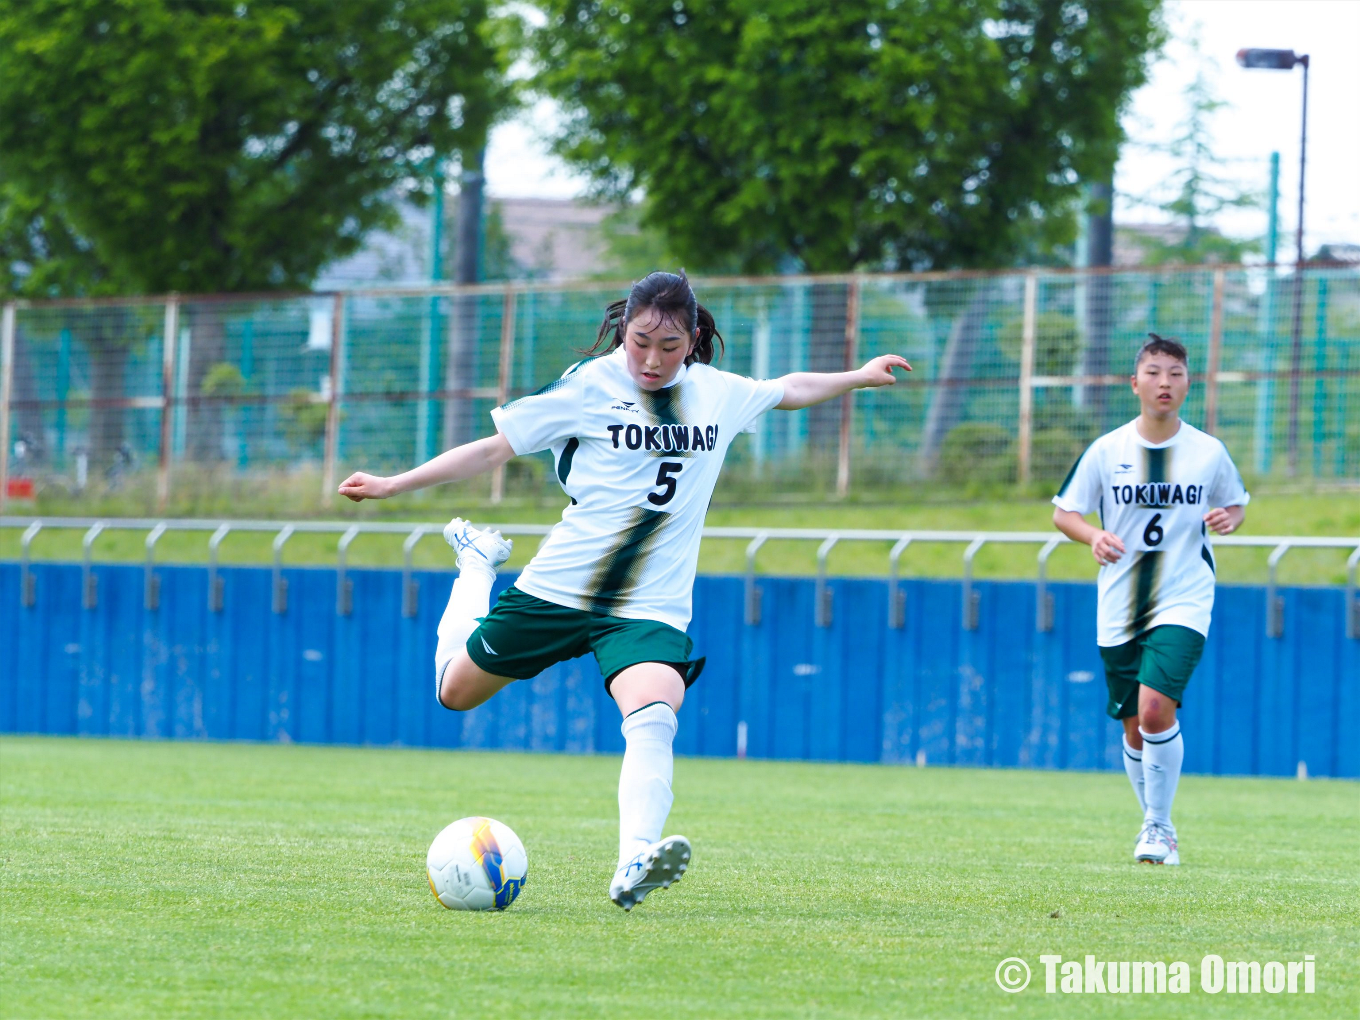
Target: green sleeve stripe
[{"x": 1072, "y": 474}]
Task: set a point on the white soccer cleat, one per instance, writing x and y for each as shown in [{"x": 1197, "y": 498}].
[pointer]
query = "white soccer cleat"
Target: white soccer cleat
[
  {"x": 473, "y": 546},
  {"x": 659, "y": 865},
  {"x": 1157, "y": 845}
]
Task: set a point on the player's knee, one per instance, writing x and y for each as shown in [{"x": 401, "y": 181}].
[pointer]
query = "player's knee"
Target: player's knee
[
  {"x": 446, "y": 690},
  {"x": 1157, "y": 712}
]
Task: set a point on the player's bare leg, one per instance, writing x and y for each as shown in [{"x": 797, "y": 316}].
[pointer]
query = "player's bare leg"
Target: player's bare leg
[
  {"x": 464, "y": 685},
  {"x": 1163, "y": 752},
  {"x": 648, "y": 695},
  {"x": 1133, "y": 764}
]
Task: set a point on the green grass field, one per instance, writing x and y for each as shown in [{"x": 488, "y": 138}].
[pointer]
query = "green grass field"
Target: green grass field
[
  {"x": 214, "y": 880},
  {"x": 1322, "y": 513}
]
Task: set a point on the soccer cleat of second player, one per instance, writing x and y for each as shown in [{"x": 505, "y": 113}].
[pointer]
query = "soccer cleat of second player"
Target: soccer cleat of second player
[
  {"x": 1156, "y": 845},
  {"x": 474, "y": 546},
  {"x": 658, "y": 866}
]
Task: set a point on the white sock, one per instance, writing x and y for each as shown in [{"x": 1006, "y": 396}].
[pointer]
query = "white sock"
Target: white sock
[
  {"x": 1162, "y": 756},
  {"x": 1133, "y": 767},
  {"x": 469, "y": 601},
  {"x": 645, "y": 780}
]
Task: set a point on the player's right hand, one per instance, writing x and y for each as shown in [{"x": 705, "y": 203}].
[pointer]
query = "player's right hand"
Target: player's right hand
[
  {"x": 1106, "y": 548},
  {"x": 360, "y": 486}
]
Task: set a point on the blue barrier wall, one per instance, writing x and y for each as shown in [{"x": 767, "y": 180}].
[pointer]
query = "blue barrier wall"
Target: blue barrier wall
[{"x": 1000, "y": 695}]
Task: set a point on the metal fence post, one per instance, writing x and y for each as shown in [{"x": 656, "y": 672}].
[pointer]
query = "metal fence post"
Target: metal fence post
[
  {"x": 507, "y": 363},
  {"x": 1274, "y": 603},
  {"x": 753, "y": 593},
  {"x": 333, "y": 404},
  {"x": 897, "y": 598},
  {"x": 822, "y": 607},
  {"x": 410, "y": 587},
  {"x": 344, "y": 587},
  {"x": 6, "y": 385},
  {"x": 848, "y": 400},
  {"x": 89, "y": 580},
  {"x": 1025, "y": 440},
  {"x": 28, "y": 587},
  {"x": 215, "y": 587},
  {"x": 1215, "y": 356},
  {"x": 971, "y": 598},
  {"x": 1352, "y": 603},
  {"x": 279, "y": 602},
  {"x": 151, "y": 582},
  {"x": 1043, "y": 598},
  {"x": 169, "y": 346}
]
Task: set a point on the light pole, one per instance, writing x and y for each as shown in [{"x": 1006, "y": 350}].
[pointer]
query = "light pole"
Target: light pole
[{"x": 1287, "y": 60}]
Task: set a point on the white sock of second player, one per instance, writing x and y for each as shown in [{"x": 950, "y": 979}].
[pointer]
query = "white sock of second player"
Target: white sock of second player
[
  {"x": 1162, "y": 756},
  {"x": 645, "y": 795}
]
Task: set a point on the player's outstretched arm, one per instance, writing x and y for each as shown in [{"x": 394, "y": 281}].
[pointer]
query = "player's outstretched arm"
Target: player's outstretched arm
[
  {"x": 1106, "y": 546},
  {"x": 454, "y": 465},
  {"x": 803, "y": 389}
]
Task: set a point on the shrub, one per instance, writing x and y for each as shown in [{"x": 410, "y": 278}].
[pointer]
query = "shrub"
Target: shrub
[{"x": 976, "y": 451}]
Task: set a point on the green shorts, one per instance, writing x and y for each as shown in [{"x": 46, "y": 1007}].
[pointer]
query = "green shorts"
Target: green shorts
[
  {"x": 1162, "y": 658},
  {"x": 523, "y": 635}
]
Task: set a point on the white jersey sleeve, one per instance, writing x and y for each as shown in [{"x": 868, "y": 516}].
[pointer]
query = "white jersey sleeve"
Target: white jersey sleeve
[
  {"x": 1081, "y": 492},
  {"x": 538, "y": 421},
  {"x": 748, "y": 399},
  {"x": 1227, "y": 488}
]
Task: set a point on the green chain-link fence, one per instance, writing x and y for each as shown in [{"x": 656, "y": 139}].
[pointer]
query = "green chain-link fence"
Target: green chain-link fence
[{"x": 1014, "y": 373}]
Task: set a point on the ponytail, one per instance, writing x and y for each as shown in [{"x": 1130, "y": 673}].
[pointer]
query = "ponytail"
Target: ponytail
[
  {"x": 708, "y": 332},
  {"x": 672, "y": 297}
]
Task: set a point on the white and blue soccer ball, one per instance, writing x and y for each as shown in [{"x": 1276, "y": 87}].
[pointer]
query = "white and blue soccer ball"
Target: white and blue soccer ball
[{"x": 477, "y": 864}]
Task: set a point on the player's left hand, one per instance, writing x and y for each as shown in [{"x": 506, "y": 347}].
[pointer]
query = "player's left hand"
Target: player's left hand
[
  {"x": 879, "y": 371},
  {"x": 1220, "y": 521}
]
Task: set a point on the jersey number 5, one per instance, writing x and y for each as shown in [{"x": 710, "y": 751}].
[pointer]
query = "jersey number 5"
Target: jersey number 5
[
  {"x": 1153, "y": 534},
  {"x": 665, "y": 477}
]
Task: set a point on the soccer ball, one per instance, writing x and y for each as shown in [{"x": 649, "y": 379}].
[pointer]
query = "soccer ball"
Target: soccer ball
[{"x": 476, "y": 864}]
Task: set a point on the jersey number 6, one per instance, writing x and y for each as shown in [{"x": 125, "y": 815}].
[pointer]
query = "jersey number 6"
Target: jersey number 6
[
  {"x": 1153, "y": 534},
  {"x": 665, "y": 477}
]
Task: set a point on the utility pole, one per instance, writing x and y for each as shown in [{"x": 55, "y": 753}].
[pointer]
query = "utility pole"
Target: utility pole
[
  {"x": 1287, "y": 60},
  {"x": 460, "y": 375}
]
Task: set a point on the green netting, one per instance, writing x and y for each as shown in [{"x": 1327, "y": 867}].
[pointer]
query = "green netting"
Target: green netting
[{"x": 252, "y": 381}]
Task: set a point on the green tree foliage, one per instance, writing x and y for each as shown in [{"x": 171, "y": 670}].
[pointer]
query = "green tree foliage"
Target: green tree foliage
[
  {"x": 1197, "y": 190},
  {"x": 199, "y": 145},
  {"x": 41, "y": 255},
  {"x": 900, "y": 133}
]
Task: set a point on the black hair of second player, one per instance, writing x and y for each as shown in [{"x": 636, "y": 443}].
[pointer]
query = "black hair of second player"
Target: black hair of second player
[
  {"x": 1162, "y": 345},
  {"x": 671, "y": 295}
]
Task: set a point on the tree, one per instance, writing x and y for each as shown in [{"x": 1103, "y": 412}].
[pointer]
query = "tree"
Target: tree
[
  {"x": 197, "y": 145},
  {"x": 41, "y": 255},
  {"x": 865, "y": 133},
  {"x": 1196, "y": 191},
  {"x": 206, "y": 146}
]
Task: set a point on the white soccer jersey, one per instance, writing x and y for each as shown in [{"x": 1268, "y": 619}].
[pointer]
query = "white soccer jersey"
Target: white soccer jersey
[
  {"x": 640, "y": 468},
  {"x": 1154, "y": 497}
]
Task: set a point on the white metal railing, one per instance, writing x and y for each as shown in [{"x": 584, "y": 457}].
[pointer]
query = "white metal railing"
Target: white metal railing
[{"x": 756, "y": 538}]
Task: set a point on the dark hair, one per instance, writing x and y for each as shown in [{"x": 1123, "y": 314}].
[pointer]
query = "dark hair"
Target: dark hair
[
  {"x": 672, "y": 297},
  {"x": 1161, "y": 345}
]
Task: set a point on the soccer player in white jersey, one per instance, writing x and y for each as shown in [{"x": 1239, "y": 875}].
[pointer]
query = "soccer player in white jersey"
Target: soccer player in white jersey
[
  {"x": 638, "y": 432},
  {"x": 1159, "y": 486}
]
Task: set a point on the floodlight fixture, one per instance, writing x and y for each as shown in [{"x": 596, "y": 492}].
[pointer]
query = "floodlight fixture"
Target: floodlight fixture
[{"x": 1270, "y": 60}]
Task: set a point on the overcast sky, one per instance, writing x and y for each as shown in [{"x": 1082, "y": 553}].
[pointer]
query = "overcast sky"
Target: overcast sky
[{"x": 1262, "y": 116}]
